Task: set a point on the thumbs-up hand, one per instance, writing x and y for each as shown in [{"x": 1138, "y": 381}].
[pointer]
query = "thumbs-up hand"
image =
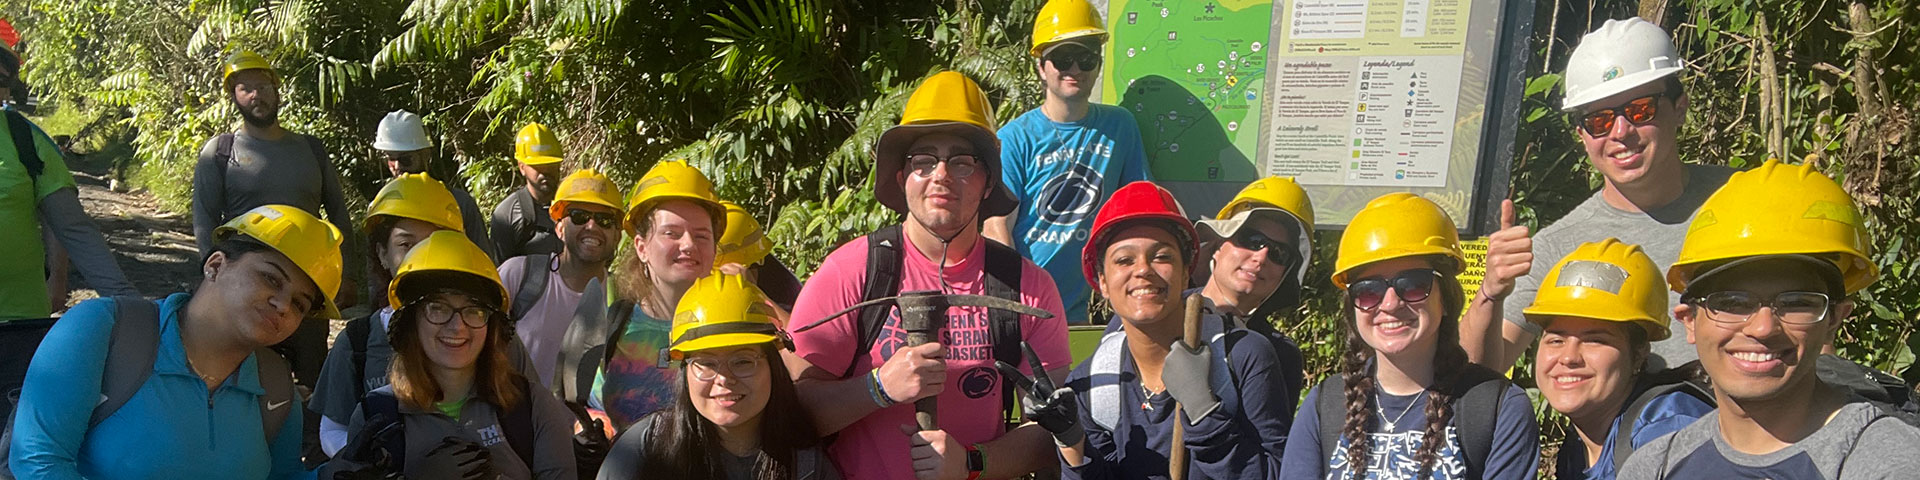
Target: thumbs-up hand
[{"x": 1509, "y": 255}]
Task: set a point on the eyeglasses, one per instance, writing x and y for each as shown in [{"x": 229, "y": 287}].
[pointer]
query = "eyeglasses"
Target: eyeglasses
[
  {"x": 1638, "y": 111},
  {"x": 580, "y": 217},
  {"x": 1414, "y": 286},
  {"x": 740, "y": 366},
  {"x": 1278, "y": 252},
  {"x": 959, "y": 166},
  {"x": 1084, "y": 58},
  {"x": 1792, "y": 308},
  {"x": 439, "y": 313}
]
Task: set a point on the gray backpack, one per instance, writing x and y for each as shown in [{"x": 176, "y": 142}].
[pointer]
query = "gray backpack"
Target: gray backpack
[{"x": 130, "y": 354}]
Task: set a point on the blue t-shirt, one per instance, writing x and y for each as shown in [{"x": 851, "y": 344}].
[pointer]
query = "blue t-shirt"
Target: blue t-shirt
[
  {"x": 1062, "y": 173},
  {"x": 1515, "y": 454},
  {"x": 1665, "y": 414}
]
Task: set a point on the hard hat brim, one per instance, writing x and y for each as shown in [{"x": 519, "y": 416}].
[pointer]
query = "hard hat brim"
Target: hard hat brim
[
  {"x": 1542, "y": 312},
  {"x": 724, "y": 340},
  {"x": 1616, "y": 86},
  {"x": 539, "y": 160},
  {"x": 396, "y": 146},
  {"x": 889, "y": 155},
  {"x": 1682, "y": 277}
]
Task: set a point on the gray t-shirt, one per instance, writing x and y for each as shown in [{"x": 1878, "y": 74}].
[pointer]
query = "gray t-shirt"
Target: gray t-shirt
[
  {"x": 1857, "y": 443},
  {"x": 1658, "y": 231},
  {"x": 263, "y": 172}
]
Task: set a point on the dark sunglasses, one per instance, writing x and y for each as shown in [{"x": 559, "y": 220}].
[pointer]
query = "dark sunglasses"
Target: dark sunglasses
[
  {"x": 1638, "y": 111},
  {"x": 1278, "y": 252},
  {"x": 1082, "y": 57},
  {"x": 1414, "y": 286},
  {"x": 958, "y": 166},
  {"x": 580, "y": 217}
]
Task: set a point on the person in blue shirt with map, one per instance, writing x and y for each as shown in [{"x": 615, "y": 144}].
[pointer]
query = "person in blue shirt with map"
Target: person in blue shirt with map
[{"x": 1063, "y": 159}]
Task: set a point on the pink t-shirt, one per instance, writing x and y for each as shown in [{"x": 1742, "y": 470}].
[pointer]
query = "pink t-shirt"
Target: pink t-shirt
[{"x": 873, "y": 447}]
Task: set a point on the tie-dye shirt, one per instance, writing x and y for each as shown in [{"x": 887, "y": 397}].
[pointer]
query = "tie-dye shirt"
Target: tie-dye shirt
[{"x": 636, "y": 381}]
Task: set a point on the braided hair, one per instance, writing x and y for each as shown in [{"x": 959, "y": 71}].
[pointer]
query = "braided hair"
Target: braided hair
[{"x": 1450, "y": 359}]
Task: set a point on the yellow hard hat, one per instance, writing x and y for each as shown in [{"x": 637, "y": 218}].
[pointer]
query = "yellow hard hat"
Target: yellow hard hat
[
  {"x": 419, "y": 197},
  {"x": 721, "y": 311},
  {"x": 446, "y": 259},
  {"x": 674, "y": 180},
  {"x": 1278, "y": 192},
  {"x": 536, "y": 145},
  {"x": 1778, "y": 209},
  {"x": 1605, "y": 280},
  {"x": 1065, "y": 20},
  {"x": 245, "y": 60},
  {"x": 1397, "y": 225},
  {"x": 950, "y": 103},
  {"x": 311, "y": 244},
  {"x": 586, "y": 186},
  {"x": 744, "y": 241}
]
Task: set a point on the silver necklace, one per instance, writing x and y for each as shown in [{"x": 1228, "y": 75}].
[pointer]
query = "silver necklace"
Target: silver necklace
[{"x": 1391, "y": 423}]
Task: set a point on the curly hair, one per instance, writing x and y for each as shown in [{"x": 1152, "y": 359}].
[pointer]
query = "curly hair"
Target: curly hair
[{"x": 1450, "y": 359}]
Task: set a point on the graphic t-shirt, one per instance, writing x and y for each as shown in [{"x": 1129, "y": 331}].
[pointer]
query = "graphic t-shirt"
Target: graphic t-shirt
[
  {"x": 636, "y": 381},
  {"x": 1062, "y": 173},
  {"x": 23, "y": 292},
  {"x": 970, "y": 404},
  {"x": 1400, "y": 431}
]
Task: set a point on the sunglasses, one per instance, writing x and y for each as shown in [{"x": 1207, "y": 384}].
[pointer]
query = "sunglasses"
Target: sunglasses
[
  {"x": 958, "y": 166},
  {"x": 580, "y": 217},
  {"x": 1414, "y": 286},
  {"x": 1278, "y": 252},
  {"x": 1638, "y": 111},
  {"x": 1084, "y": 58}
]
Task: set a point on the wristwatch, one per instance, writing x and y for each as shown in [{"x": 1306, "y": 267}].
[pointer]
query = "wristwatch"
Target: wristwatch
[{"x": 976, "y": 461}]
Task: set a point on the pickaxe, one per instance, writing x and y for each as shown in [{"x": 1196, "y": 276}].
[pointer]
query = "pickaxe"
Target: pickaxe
[{"x": 922, "y": 313}]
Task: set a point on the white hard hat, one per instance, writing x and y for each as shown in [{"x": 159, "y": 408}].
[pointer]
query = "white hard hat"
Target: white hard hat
[
  {"x": 401, "y": 131},
  {"x": 1619, "y": 56}
]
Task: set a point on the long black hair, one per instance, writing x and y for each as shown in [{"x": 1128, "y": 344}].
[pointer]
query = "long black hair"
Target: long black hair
[{"x": 687, "y": 446}]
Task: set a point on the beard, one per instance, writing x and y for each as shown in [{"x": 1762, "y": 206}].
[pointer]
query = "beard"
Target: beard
[{"x": 270, "y": 118}]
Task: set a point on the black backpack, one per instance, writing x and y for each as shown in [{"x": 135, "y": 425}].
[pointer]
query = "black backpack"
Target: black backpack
[
  {"x": 516, "y": 424},
  {"x": 1891, "y": 394},
  {"x": 1476, "y": 409},
  {"x": 24, "y": 148},
  {"x": 1003, "y": 265},
  {"x": 131, "y": 352}
]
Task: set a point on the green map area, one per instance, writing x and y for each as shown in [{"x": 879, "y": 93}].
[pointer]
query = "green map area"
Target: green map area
[{"x": 1194, "y": 73}]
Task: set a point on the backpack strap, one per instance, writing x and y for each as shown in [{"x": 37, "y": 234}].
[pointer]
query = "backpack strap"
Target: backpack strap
[
  {"x": 1003, "y": 327},
  {"x": 587, "y": 334},
  {"x": 134, "y": 343},
  {"x": 276, "y": 378},
  {"x": 357, "y": 332},
  {"x": 517, "y": 423},
  {"x": 884, "y": 267},
  {"x": 223, "y": 149},
  {"x": 1476, "y": 412},
  {"x": 1103, "y": 372},
  {"x": 23, "y": 145},
  {"x": 533, "y": 284},
  {"x": 1630, "y": 419},
  {"x": 1331, "y": 403},
  {"x": 376, "y": 404},
  {"x": 531, "y": 216}
]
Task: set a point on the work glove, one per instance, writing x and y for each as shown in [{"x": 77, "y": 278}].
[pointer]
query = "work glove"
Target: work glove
[
  {"x": 1185, "y": 376},
  {"x": 370, "y": 446},
  {"x": 460, "y": 458},
  {"x": 591, "y": 444},
  {"x": 1055, "y": 409}
]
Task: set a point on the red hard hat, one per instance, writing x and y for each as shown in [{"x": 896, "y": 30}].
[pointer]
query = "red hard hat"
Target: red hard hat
[{"x": 1135, "y": 202}]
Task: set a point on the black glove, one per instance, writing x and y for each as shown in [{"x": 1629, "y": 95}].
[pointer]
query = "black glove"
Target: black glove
[
  {"x": 1056, "y": 410},
  {"x": 463, "y": 458},
  {"x": 590, "y": 446},
  {"x": 369, "y": 472},
  {"x": 370, "y": 446}
]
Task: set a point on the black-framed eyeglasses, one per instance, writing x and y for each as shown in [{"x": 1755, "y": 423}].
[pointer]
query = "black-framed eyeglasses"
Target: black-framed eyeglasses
[
  {"x": 1792, "y": 308},
  {"x": 738, "y": 366},
  {"x": 958, "y": 165},
  {"x": 581, "y": 216},
  {"x": 440, "y": 313},
  {"x": 1278, "y": 251},
  {"x": 1638, "y": 111},
  {"x": 1063, "y": 57},
  {"x": 1414, "y": 286}
]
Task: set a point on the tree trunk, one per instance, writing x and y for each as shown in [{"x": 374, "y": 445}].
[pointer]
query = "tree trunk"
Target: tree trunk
[{"x": 1866, "y": 153}]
